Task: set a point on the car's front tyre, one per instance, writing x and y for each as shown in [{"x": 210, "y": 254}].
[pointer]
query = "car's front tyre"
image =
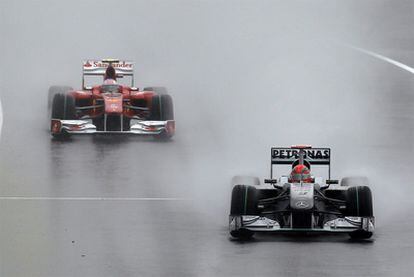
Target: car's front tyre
[
  {"x": 359, "y": 204},
  {"x": 63, "y": 108},
  {"x": 162, "y": 110},
  {"x": 244, "y": 200}
]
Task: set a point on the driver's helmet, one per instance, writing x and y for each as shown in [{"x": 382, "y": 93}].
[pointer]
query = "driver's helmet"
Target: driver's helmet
[
  {"x": 110, "y": 74},
  {"x": 300, "y": 173}
]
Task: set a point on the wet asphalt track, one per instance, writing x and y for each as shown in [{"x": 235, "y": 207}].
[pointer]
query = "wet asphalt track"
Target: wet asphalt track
[{"x": 90, "y": 206}]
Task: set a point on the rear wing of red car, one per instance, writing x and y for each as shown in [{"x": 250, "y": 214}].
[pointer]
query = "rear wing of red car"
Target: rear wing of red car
[
  {"x": 292, "y": 155},
  {"x": 93, "y": 67}
]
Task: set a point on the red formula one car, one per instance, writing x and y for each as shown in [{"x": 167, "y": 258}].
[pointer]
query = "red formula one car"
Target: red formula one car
[{"x": 110, "y": 107}]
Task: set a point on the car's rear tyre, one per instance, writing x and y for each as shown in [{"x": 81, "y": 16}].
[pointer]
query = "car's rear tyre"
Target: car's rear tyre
[
  {"x": 244, "y": 200},
  {"x": 355, "y": 181},
  {"x": 246, "y": 180},
  {"x": 359, "y": 202},
  {"x": 157, "y": 90}
]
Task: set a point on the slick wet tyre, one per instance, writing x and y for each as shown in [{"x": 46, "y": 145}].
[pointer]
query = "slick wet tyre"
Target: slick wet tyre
[
  {"x": 244, "y": 200},
  {"x": 359, "y": 204},
  {"x": 246, "y": 180},
  {"x": 354, "y": 181},
  {"x": 157, "y": 90},
  {"x": 360, "y": 234},
  {"x": 161, "y": 108},
  {"x": 359, "y": 201},
  {"x": 242, "y": 234},
  {"x": 63, "y": 106},
  {"x": 53, "y": 90}
]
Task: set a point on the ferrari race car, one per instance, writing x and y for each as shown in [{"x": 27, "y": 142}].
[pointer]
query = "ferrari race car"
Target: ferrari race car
[
  {"x": 300, "y": 202},
  {"x": 109, "y": 106}
]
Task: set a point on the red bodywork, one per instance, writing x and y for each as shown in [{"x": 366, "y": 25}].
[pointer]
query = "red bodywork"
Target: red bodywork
[{"x": 102, "y": 103}]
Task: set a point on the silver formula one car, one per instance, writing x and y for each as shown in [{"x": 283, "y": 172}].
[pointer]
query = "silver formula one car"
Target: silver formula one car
[{"x": 300, "y": 202}]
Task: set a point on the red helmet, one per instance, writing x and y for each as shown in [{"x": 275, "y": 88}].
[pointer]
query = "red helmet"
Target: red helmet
[{"x": 300, "y": 173}]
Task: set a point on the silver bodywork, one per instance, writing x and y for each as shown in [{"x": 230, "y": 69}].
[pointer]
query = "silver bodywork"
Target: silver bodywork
[
  {"x": 263, "y": 224},
  {"x": 299, "y": 206},
  {"x": 301, "y": 196},
  {"x": 301, "y": 199}
]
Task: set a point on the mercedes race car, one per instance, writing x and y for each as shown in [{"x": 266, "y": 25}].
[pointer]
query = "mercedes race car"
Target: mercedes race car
[
  {"x": 107, "y": 106},
  {"x": 300, "y": 202}
]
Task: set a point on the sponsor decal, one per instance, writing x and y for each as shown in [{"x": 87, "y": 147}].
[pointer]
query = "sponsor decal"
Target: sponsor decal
[
  {"x": 322, "y": 155},
  {"x": 302, "y": 204},
  {"x": 99, "y": 64},
  {"x": 87, "y": 64}
]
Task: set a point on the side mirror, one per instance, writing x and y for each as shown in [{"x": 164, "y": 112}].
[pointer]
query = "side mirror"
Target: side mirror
[
  {"x": 332, "y": 182},
  {"x": 270, "y": 181}
]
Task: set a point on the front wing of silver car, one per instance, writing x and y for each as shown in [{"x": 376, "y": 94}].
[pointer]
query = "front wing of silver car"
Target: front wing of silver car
[{"x": 339, "y": 225}]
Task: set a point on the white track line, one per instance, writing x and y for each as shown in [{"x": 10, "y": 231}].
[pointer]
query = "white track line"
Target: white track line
[
  {"x": 383, "y": 58},
  {"x": 92, "y": 198}
]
